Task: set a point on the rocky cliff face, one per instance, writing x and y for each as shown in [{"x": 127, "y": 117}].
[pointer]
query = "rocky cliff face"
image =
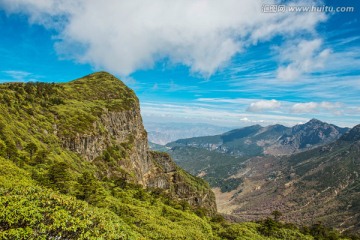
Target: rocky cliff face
[
  {"x": 114, "y": 128},
  {"x": 121, "y": 128},
  {"x": 167, "y": 175}
]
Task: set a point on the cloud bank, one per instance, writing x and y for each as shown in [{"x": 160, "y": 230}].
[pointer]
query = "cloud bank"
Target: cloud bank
[
  {"x": 304, "y": 57},
  {"x": 264, "y": 105},
  {"x": 316, "y": 107},
  {"x": 124, "y": 36}
]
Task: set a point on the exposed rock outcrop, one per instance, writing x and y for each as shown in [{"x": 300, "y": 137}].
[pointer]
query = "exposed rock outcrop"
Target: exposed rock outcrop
[
  {"x": 167, "y": 175},
  {"x": 122, "y": 127}
]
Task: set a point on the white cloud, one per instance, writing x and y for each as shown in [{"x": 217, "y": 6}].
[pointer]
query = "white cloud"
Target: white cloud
[
  {"x": 225, "y": 100},
  {"x": 330, "y": 105},
  {"x": 19, "y": 76},
  {"x": 245, "y": 119},
  {"x": 124, "y": 36},
  {"x": 304, "y": 57},
  {"x": 226, "y": 116},
  {"x": 316, "y": 107},
  {"x": 309, "y": 107},
  {"x": 264, "y": 105},
  {"x": 284, "y": 107}
]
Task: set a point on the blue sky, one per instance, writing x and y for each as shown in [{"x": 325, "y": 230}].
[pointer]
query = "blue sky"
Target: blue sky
[{"x": 220, "y": 62}]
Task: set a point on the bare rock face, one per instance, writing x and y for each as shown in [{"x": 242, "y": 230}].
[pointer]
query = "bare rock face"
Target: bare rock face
[
  {"x": 121, "y": 128},
  {"x": 183, "y": 186},
  {"x": 114, "y": 128}
]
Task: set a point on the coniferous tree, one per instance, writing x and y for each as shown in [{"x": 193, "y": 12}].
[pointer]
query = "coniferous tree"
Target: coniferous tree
[
  {"x": 59, "y": 176},
  {"x": 31, "y": 148}
]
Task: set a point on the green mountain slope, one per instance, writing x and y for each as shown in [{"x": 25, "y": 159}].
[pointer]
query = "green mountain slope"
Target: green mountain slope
[
  {"x": 31, "y": 211},
  {"x": 91, "y": 124},
  {"x": 85, "y": 139}
]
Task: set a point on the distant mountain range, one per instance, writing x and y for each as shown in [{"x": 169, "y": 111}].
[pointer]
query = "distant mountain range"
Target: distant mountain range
[
  {"x": 163, "y": 133},
  {"x": 218, "y": 157},
  {"x": 309, "y": 172},
  {"x": 273, "y": 140}
]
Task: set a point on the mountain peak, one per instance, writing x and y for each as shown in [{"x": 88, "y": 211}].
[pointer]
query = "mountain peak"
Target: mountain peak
[
  {"x": 98, "y": 86},
  {"x": 97, "y": 77},
  {"x": 102, "y": 74},
  {"x": 352, "y": 135},
  {"x": 315, "y": 121}
]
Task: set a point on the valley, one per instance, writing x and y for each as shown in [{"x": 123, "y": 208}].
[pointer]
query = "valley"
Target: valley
[{"x": 308, "y": 172}]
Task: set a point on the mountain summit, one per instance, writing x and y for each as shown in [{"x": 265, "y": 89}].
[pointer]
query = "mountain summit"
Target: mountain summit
[
  {"x": 315, "y": 121},
  {"x": 353, "y": 135},
  {"x": 308, "y": 135}
]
